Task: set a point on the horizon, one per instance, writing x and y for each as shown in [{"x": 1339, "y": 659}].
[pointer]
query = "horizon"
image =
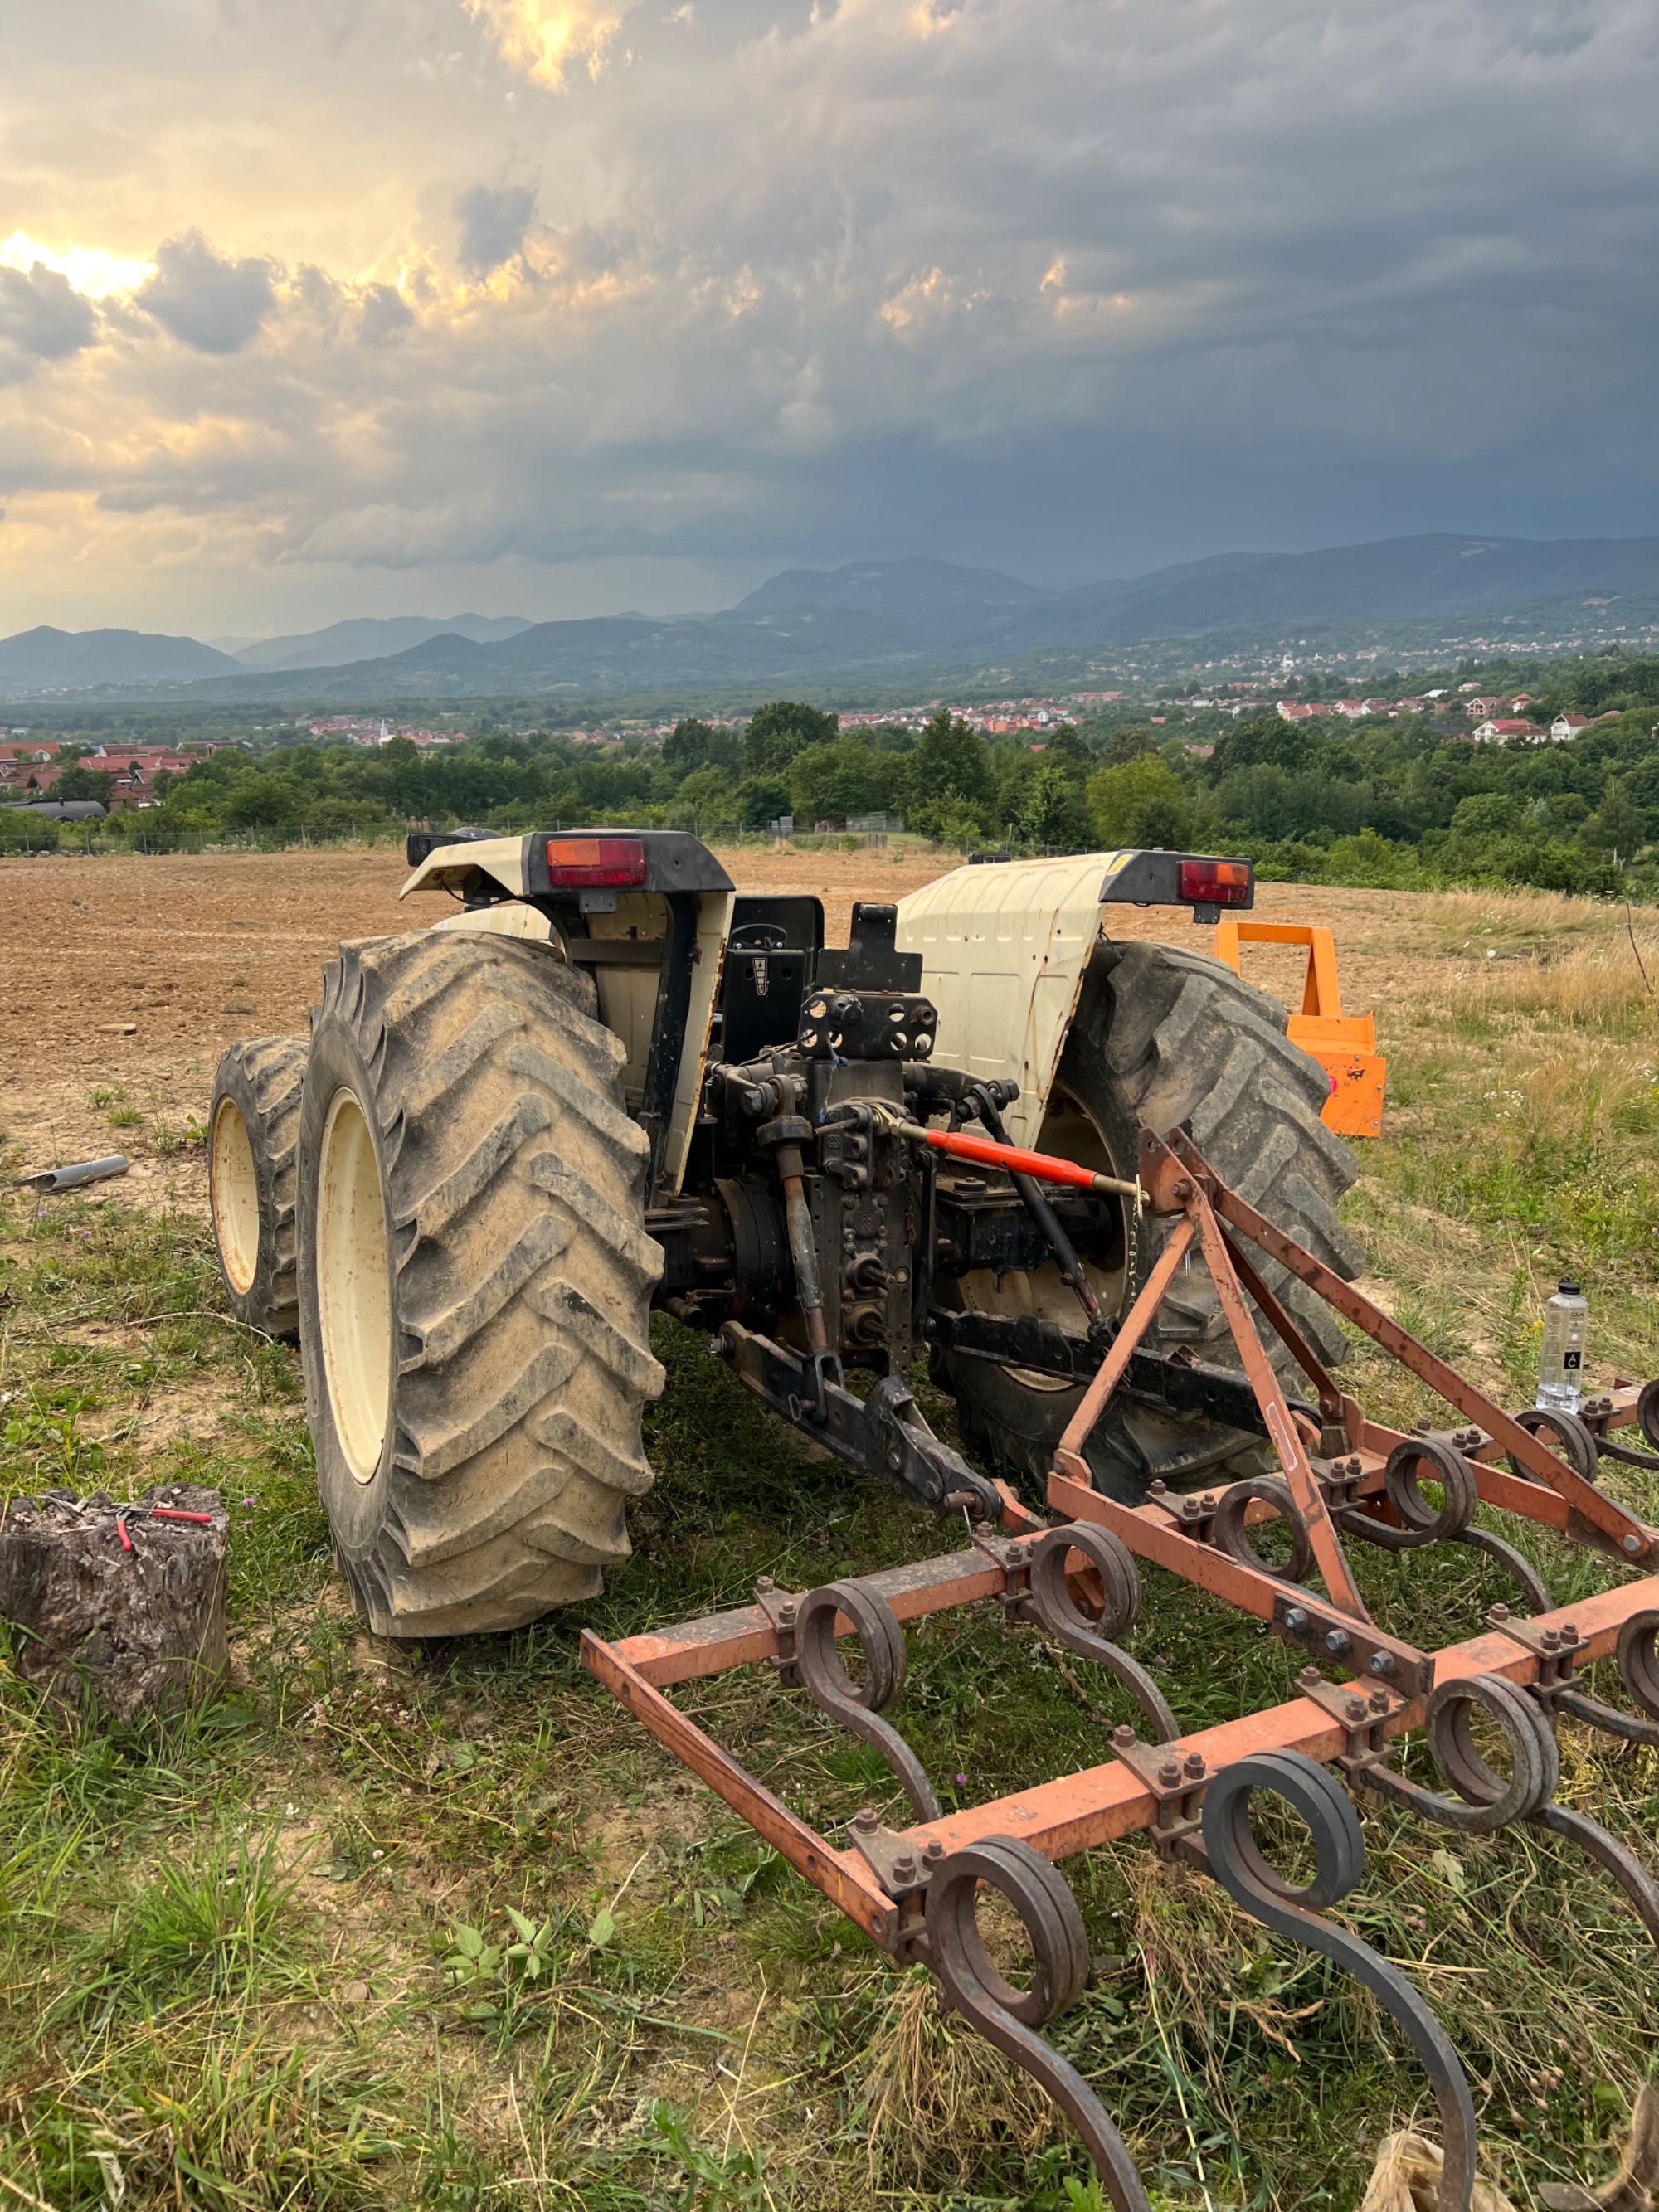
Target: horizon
[
  {"x": 528, "y": 327},
  {"x": 232, "y": 642}
]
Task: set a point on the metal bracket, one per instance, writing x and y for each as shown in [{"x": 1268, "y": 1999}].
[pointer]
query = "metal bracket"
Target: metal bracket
[
  {"x": 1013, "y": 1556},
  {"x": 1363, "y": 1715},
  {"x": 891, "y": 1857},
  {"x": 1351, "y": 1643},
  {"x": 1339, "y": 1480},
  {"x": 780, "y": 1606},
  {"x": 1176, "y": 1783},
  {"x": 1554, "y": 1648}
]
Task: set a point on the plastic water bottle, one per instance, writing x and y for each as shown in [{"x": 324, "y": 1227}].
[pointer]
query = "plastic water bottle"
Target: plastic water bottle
[{"x": 1561, "y": 1356}]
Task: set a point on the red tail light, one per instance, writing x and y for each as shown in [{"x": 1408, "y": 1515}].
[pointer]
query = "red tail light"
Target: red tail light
[
  {"x": 591, "y": 864},
  {"x": 1214, "y": 883}
]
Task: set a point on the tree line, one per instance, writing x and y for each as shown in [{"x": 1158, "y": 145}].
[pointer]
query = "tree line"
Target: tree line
[{"x": 1383, "y": 802}]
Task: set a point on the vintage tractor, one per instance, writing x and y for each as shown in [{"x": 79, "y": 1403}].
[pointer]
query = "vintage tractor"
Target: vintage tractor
[{"x": 1081, "y": 1178}]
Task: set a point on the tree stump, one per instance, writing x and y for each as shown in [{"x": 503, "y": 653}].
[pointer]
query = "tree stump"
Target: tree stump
[{"x": 112, "y": 1631}]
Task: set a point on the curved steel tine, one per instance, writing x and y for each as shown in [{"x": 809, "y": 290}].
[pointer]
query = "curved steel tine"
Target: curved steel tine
[
  {"x": 1134, "y": 1676},
  {"x": 1486, "y": 1800},
  {"x": 1058, "y": 1614},
  {"x": 1514, "y": 1564},
  {"x": 1007, "y": 2017},
  {"x": 1638, "y": 1670},
  {"x": 1237, "y": 1863},
  {"x": 1371, "y": 1530},
  {"x": 1628, "y": 1728},
  {"x": 1626, "y": 1869},
  {"x": 852, "y": 1705}
]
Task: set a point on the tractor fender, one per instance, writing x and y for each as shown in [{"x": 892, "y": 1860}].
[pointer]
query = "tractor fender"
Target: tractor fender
[
  {"x": 1005, "y": 950},
  {"x": 447, "y": 867}
]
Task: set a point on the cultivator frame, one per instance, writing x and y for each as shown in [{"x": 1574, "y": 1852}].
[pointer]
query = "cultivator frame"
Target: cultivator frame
[{"x": 914, "y": 1889}]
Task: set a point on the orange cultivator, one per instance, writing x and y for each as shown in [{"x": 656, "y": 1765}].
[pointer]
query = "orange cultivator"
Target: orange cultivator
[{"x": 1342, "y": 1476}]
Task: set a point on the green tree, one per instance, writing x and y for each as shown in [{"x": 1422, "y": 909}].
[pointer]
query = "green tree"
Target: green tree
[
  {"x": 1618, "y": 826},
  {"x": 762, "y": 798},
  {"x": 831, "y": 781},
  {"x": 950, "y": 758},
  {"x": 707, "y": 801},
  {"x": 78, "y": 782},
  {"x": 692, "y": 745},
  {"x": 1126, "y": 745},
  {"x": 778, "y": 732},
  {"x": 1141, "y": 802},
  {"x": 1054, "y": 811},
  {"x": 258, "y": 800}
]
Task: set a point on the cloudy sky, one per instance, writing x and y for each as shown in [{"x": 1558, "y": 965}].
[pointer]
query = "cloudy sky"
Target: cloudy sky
[{"x": 561, "y": 306}]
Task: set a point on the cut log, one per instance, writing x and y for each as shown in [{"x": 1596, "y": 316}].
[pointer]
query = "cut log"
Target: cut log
[{"x": 117, "y": 1610}]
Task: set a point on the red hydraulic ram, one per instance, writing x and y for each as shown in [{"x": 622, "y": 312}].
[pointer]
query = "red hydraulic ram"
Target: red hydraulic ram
[{"x": 1012, "y": 1159}]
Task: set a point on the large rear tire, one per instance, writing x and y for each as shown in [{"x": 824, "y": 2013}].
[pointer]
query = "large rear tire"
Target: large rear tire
[
  {"x": 1164, "y": 1038},
  {"x": 253, "y": 1128},
  {"x": 475, "y": 1281}
]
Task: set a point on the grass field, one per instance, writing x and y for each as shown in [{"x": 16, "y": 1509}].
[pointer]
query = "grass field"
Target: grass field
[{"x": 441, "y": 1927}]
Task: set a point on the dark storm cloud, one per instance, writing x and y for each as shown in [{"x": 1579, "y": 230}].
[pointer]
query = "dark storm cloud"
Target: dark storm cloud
[
  {"x": 493, "y": 225},
  {"x": 41, "y": 319},
  {"x": 212, "y": 304},
  {"x": 1080, "y": 285}
]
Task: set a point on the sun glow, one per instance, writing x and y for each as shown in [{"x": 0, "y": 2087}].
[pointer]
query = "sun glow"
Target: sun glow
[
  {"x": 545, "y": 38},
  {"x": 94, "y": 274}
]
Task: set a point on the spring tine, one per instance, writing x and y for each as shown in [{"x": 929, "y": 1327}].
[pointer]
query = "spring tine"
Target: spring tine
[
  {"x": 1513, "y": 1563},
  {"x": 1628, "y": 1728},
  {"x": 1232, "y": 1857},
  {"x": 1008, "y": 2018},
  {"x": 1056, "y": 1612},
  {"x": 851, "y": 1703},
  {"x": 1631, "y": 1876},
  {"x": 1134, "y": 1676}
]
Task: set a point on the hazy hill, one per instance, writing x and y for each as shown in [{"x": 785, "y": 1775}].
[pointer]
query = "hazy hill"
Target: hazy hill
[
  {"x": 896, "y": 591},
  {"x": 919, "y": 622},
  {"x": 56, "y": 659},
  {"x": 1388, "y": 581},
  {"x": 372, "y": 637},
  {"x": 624, "y": 653}
]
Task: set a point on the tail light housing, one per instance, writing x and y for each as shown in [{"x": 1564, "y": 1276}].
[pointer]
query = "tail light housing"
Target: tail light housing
[
  {"x": 1214, "y": 883},
  {"x": 593, "y": 864}
]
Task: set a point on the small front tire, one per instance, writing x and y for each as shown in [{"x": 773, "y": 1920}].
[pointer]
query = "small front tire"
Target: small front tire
[{"x": 253, "y": 1128}]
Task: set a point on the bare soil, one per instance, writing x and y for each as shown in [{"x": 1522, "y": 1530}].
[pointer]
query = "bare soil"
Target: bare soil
[{"x": 195, "y": 952}]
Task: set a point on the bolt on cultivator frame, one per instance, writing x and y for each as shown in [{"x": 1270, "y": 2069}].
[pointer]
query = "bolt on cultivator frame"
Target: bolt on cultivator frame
[{"x": 915, "y": 1891}]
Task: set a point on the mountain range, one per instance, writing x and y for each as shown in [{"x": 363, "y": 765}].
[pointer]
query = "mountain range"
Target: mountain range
[{"x": 870, "y": 621}]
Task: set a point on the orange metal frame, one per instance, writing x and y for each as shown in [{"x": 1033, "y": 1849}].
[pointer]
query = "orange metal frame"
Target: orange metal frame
[
  {"x": 1075, "y": 1812},
  {"x": 1345, "y": 1045}
]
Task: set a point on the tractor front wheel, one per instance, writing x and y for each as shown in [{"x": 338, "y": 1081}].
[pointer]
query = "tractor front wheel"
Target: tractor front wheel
[
  {"x": 253, "y": 1128},
  {"x": 475, "y": 1281}
]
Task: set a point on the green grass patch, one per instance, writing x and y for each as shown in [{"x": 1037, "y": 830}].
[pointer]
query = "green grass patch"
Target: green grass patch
[{"x": 441, "y": 1926}]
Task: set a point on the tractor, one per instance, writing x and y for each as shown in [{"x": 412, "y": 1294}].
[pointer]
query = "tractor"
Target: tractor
[
  {"x": 609, "y": 1082},
  {"x": 1085, "y": 1178}
]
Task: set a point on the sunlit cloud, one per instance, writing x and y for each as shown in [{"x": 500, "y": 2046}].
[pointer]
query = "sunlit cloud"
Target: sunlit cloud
[
  {"x": 90, "y": 271},
  {"x": 1074, "y": 287},
  {"x": 547, "y": 37}
]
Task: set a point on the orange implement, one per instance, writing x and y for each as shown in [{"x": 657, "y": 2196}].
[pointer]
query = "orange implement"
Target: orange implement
[{"x": 1345, "y": 1045}]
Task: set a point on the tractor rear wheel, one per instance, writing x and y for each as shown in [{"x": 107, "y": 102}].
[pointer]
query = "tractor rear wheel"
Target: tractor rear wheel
[
  {"x": 253, "y": 1126},
  {"x": 1165, "y": 1038},
  {"x": 475, "y": 1281}
]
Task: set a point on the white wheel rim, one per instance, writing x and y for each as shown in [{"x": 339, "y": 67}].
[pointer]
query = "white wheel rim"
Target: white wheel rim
[
  {"x": 234, "y": 1191},
  {"x": 1043, "y": 1295},
  {"x": 353, "y": 1301}
]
